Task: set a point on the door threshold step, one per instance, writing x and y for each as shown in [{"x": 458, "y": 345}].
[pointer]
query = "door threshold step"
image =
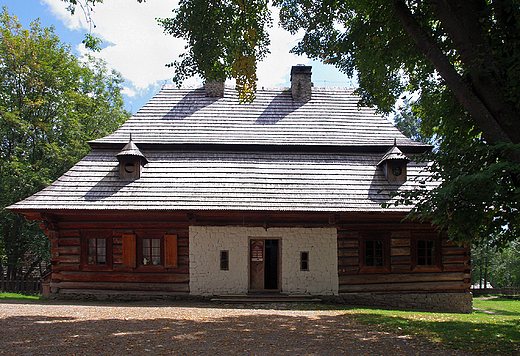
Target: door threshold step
[{"x": 266, "y": 298}]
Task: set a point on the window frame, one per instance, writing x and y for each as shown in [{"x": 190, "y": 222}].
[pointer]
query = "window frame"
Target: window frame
[
  {"x": 374, "y": 236},
  {"x": 87, "y": 235},
  {"x": 437, "y": 258},
  {"x": 224, "y": 262},
  {"x": 304, "y": 261},
  {"x": 140, "y": 255}
]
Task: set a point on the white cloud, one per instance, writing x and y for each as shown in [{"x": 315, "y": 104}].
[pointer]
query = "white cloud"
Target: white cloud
[{"x": 137, "y": 47}]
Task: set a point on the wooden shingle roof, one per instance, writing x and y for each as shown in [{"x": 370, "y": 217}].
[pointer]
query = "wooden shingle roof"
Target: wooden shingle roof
[
  {"x": 186, "y": 116},
  {"x": 209, "y": 154}
]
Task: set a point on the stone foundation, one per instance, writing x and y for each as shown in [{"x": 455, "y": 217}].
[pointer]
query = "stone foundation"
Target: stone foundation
[
  {"x": 113, "y": 295},
  {"x": 434, "y": 302}
]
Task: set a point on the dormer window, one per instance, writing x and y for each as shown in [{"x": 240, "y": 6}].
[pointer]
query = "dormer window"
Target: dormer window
[
  {"x": 131, "y": 161},
  {"x": 394, "y": 164}
]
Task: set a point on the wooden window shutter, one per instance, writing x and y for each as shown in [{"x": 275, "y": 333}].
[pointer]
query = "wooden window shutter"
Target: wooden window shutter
[
  {"x": 170, "y": 251},
  {"x": 129, "y": 251}
]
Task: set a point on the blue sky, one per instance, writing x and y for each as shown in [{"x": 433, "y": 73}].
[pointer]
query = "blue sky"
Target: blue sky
[{"x": 135, "y": 46}]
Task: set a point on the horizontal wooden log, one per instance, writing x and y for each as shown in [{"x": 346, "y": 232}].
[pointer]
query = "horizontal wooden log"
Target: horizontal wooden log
[
  {"x": 403, "y": 233},
  {"x": 402, "y": 278},
  {"x": 455, "y": 268},
  {"x": 121, "y": 278},
  {"x": 348, "y": 234},
  {"x": 69, "y": 233},
  {"x": 66, "y": 258},
  {"x": 67, "y": 250},
  {"x": 455, "y": 259},
  {"x": 69, "y": 241},
  {"x": 348, "y": 253},
  {"x": 66, "y": 267},
  {"x": 400, "y": 243},
  {"x": 400, "y": 269},
  {"x": 155, "y": 287},
  {"x": 117, "y": 241},
  {"x": 183, "y": 251},
  {"x": 348, "y": 261},
  {"x": 403, "y": 251},
  {"x": 349, "y": 270},
  {"x": 400, "y": 260},
  {"x": 454, "y": 251},
  {"x": 348, "y": 243},
  {"x": 183, "y": 241},
  {"x": 407, "y": 287}
]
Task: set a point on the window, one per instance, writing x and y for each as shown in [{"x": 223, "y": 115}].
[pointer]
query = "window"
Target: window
[
  {"x": 97, "y": 251},
  {"x": 224, "y": 260},
  {"x": 374, "y": 253},
  {"x": 148, "y": 250},
  {"x": 304, "y": 261},
  {"x": 151, "y": 252},
  {"x": 426, "y": 253}
]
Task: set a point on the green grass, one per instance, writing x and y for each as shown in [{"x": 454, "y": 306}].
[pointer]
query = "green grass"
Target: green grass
[
  {"x": 476, "y": 332},
  {"x": 19, "y": 296}
]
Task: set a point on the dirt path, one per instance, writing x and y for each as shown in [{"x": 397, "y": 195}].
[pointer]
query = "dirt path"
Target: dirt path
[{"x": 53, "y": 328}]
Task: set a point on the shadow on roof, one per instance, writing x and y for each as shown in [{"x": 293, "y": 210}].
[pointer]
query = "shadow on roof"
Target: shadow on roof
[
  {"x": 192, "y": 102},
  {"x": 107, "y": 186},
  {"x": 281, "y": 106}
]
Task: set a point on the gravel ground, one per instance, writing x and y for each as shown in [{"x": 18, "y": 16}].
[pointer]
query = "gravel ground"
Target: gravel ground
[{"x": 61, "y": 328}]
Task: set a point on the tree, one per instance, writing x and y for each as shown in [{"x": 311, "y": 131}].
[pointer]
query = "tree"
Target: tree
[
  {"x": 51, "y": 104},
  {"x": 460, "y": 59}
]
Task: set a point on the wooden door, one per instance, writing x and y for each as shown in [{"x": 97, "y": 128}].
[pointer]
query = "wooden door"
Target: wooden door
[
  {"x": 264, "y": 265},
  {"x": 256, "y": 255}
]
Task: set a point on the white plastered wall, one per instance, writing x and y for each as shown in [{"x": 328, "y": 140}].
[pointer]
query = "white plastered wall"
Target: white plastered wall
[{"x": 206, "y": 242}]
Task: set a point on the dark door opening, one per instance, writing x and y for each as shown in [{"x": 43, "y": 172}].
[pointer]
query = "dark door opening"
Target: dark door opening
[{"x": 264, "y": 265}]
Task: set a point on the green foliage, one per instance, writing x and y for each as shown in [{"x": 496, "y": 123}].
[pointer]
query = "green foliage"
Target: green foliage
[
  {"x": 500, "y": 267},
  {"x": 225, "y": 39},
  {"x": 51, "y": 104},
  {"x": 476, "y": 332}
]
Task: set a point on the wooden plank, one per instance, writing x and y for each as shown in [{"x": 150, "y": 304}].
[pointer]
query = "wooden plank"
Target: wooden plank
[
  {"x": 403, "y": 251},
  {"x": 402, "y": 278},
  {"x": 117, "y": 240},
  {"x": 129, "y": 251},
  {"x": 348, "y": 253},
  {"x": 117, "y": 249},
  {"x": 400, "y": 242},
  {"x": 348, "y": 261},
  {"x": 121, "y": 278},
  {"x": 455, "y": 268},
  {"x": 401, "y": 269},
  {"x": 69, "y": 241},
  {"x": 155, "y": 287},
  {"x": 454, "y": 251},
  {"x": 455, "y": 259},
  {"x": 67, "y": 250},
  {"x": 400, "y": 260},
  {"x": 66, "y": 258},
  {"x": 170, "y": 251},
  {"x": 403, "y": 233},
  {"x": 348, "y": 243},
  {"x": 69, "y": 233}
]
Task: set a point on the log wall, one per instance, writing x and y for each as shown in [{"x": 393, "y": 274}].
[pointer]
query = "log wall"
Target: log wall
[
  {"x": 72, "y": 277},
  {"x": 451, "y": 274}
]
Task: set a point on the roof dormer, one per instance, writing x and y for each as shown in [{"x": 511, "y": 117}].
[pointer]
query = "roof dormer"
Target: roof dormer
[
  {"x": 394, "y": 164},
  {"x": 130, "y": 161}
]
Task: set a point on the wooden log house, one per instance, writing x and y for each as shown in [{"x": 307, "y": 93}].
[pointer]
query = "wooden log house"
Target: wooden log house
[{"x": 197, "y": 195}]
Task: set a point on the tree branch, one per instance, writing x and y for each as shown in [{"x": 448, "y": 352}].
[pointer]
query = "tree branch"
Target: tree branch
[{"x": 491, "y": 130}]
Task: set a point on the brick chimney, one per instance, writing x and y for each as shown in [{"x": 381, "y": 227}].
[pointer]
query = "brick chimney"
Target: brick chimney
[
  {"x": 214, "y": 89},
  {"x": 301, "y": 85}
]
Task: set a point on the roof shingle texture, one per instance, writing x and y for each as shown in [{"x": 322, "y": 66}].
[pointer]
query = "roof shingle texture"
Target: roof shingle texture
[{"x": 225, "y": 178}]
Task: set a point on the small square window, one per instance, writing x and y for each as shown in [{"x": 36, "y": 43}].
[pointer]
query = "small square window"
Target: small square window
[
  {"x": 224, "y": 260},
  {"x": 426, "y": 253},
  {"x": 304, "y": 261}
]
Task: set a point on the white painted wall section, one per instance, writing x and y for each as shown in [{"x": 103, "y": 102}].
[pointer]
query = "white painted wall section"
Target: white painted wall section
[{"x": 206, "y": 242}]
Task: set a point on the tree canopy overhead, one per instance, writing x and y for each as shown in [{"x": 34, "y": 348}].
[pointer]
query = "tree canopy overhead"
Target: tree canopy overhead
[
  {"x": 51, "y": 104},
  {"x": 459, "y": 58}
]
